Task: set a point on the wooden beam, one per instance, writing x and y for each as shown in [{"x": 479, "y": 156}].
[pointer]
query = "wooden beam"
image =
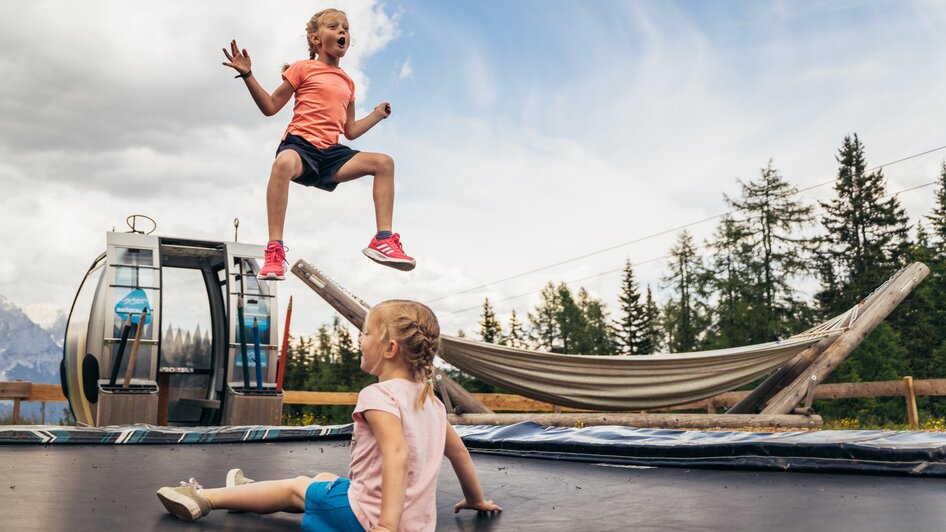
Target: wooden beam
[
  {"x": 51, "y": 393},
  {"x": 352, "y": 309},
  {"x": 910, "y": 394},
  {"x": 669, "y": 421},
  {"x": 782, "y": 377},
  {"x": 895, "y": 292},
  {"x": 319, "y": 398},
  {"x": 15, "y": 390},
  {"x": 463, "y": 401}
]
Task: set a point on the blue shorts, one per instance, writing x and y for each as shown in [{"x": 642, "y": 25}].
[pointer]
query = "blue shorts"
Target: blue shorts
[
  {"x": 327, "y": 508},
  {"x": 319, "y": 165}
]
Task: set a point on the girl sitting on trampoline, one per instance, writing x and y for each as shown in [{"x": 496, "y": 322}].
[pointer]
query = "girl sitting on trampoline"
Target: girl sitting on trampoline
[
  {"x": 309, "y": 153},
  {"x": 400, "y": 427}
]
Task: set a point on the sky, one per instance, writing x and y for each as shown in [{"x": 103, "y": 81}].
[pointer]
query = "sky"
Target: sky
[{"x": 552, "y": 137}]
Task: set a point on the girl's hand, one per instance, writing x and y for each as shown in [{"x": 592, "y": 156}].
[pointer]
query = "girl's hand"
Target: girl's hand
[
  {"x": 482, "y": 506},
  {"x": 238, "y": 60},
  {"x": 383, "y": 109}
]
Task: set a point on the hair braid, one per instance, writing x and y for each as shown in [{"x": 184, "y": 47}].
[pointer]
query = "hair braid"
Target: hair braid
[{"x": 414, "y": 327}]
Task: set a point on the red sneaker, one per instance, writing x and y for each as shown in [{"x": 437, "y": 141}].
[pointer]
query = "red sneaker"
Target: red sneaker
[
  {"x": 274, "y": 268},
  {"x": 389, "y": 253}
]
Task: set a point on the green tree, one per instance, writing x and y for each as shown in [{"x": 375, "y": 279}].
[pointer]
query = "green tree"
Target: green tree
[
  {"x": 728, "y": 278},
  {"x": 653, "y": 336},
  {"x": 938, "y": 217},
  {"x": 517, "y": 336},
  {"x": 543, "y": 325},
  {"x": 774, "y": 253},
  {"x": 597, "y": 337},
  {"x": 631, "y": 321},
  {"x": 866, "y": 236},
  {"x": 685, "y": 311},
  {"x": 570, "y": 321},
  {"x": 491, "y": 330}
]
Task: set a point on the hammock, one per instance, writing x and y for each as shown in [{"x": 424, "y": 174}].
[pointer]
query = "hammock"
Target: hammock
[{"x": 612, "y": 382}]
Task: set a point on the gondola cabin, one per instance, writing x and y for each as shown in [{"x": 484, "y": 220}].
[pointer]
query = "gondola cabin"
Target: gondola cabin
[{"x": 154, "y": 335}]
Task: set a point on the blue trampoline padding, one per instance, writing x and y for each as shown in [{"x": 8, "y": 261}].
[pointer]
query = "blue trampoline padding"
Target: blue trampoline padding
[
  {"x": 854, "y": 451},
  {"x": 826, "y": 451},
  {"x": 152, "y": 434}
]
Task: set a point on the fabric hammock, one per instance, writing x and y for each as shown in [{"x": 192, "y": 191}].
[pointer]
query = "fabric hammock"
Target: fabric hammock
[{"x": 612, "y": 382}]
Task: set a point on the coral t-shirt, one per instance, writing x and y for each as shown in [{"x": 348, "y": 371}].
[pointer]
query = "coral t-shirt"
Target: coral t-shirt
[
  {"x": 322, "y": 94},
  {"x": 425, "y": 431}
]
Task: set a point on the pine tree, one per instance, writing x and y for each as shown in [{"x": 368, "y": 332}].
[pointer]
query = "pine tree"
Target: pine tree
[
  {"x": 570, "y": 321},
  {"x": 774, "y": 254},
  {"x": 867, "y": 235},
  {"x": 685, "y": 314},
  {"x": 597, "y": 338},
  {"x": 729, "y": 280},
  {"x": 517, "y": 336},
  {"x": 652, "y": 332},
  {"x": 491, "y": 330},
  {"x": 543, "y": 326},
  {"x": 630, "y": 326},
  {"x": 938, "y": 217}
]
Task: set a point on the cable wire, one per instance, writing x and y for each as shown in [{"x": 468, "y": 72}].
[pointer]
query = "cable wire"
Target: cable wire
[{"x": 664, "y": 232}]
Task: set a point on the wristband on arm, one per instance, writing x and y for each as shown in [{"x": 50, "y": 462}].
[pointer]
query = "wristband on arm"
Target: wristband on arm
[{"x": 244, "y": 76}]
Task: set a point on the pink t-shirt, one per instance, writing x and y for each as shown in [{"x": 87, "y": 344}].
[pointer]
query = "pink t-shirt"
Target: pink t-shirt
[
  {"x": 425, "y": 430},
  {"x": 322, "y": 93}
]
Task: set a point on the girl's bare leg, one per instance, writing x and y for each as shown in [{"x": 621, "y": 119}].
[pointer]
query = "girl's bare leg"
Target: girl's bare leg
[
  {"x": 286, "y": 167},
  {"x": 267, "y": 496},
  {"x": 381, "y": 167}
]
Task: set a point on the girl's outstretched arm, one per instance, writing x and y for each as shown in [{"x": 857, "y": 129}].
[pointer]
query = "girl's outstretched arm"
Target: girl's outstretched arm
[
  {"x": 462, "y": 464},
  {"x": 269, "y": 104},
  {"x": 356, "y": 128},
  {"x": 389, "y": 433}
]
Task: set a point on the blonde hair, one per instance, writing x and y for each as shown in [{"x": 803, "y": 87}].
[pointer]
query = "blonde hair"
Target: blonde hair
[
  {"x": 313, "y": 26},
  {"x": 416, "y": 330}
]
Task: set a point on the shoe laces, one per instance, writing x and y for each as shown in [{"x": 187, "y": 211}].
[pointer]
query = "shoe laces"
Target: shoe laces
[
  {"x": 396, "y": 238},
  {"x": 275, "y": 253},
  {"x": 191, "y": 481}
]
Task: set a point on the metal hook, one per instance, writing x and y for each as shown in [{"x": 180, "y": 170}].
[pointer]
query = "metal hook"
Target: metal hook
[{"x": 132, "y": 222}]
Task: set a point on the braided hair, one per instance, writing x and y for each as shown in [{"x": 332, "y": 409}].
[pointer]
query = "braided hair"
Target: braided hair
[{"x": 416, "y": 330}]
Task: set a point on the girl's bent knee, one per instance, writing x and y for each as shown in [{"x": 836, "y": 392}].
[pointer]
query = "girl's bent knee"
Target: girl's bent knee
[
  {"x": 284, "y": 169},
  {"x": 385, "y": 164},
  {"x": 324, "y": 477}
]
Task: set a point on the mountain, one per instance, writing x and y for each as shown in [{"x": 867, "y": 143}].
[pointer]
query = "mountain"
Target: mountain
[{"x": 31, "y": 353}]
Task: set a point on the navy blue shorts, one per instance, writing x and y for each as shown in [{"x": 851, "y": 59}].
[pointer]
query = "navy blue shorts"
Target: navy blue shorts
[
  {"x": 327, "y": 508},
  {"x": 319, "y": 165}
]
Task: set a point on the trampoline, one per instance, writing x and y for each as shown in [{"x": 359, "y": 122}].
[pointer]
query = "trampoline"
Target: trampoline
[{"x": 545, "y": 478}]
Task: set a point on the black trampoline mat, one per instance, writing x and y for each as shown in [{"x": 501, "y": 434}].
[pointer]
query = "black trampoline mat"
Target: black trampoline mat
[{"x": 98, "y": 487}]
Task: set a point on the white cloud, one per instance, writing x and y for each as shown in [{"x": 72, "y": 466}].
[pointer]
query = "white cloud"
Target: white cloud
[{"x": 406, "y": 69}]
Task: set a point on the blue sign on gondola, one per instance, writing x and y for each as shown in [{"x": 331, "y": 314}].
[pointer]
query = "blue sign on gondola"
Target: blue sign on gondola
[
  {"x": 134, "y": 304},
  {"x": 263, "y": 363},
  {"x": 258, "y": 310}
]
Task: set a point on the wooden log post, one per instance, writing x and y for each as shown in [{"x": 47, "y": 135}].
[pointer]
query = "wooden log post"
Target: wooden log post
[
  {"x": 782, "y": 377},
  {"x": 17, "y": 391},
  {"x": 887, "y": 300},
  {"x": 463, "y": 401},
  {"x": 910, "y": 394}
]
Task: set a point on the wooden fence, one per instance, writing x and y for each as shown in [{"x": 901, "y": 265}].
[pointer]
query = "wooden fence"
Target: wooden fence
[{"x": 908, "y": 388}]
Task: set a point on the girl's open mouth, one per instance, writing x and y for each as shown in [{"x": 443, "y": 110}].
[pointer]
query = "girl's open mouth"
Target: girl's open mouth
[{"x": 341, "y": 42}]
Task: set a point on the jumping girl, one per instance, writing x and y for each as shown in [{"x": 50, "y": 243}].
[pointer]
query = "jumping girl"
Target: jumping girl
[
  {"x": 309, "y": 153},
  {"x": 400, "y": 427}
]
